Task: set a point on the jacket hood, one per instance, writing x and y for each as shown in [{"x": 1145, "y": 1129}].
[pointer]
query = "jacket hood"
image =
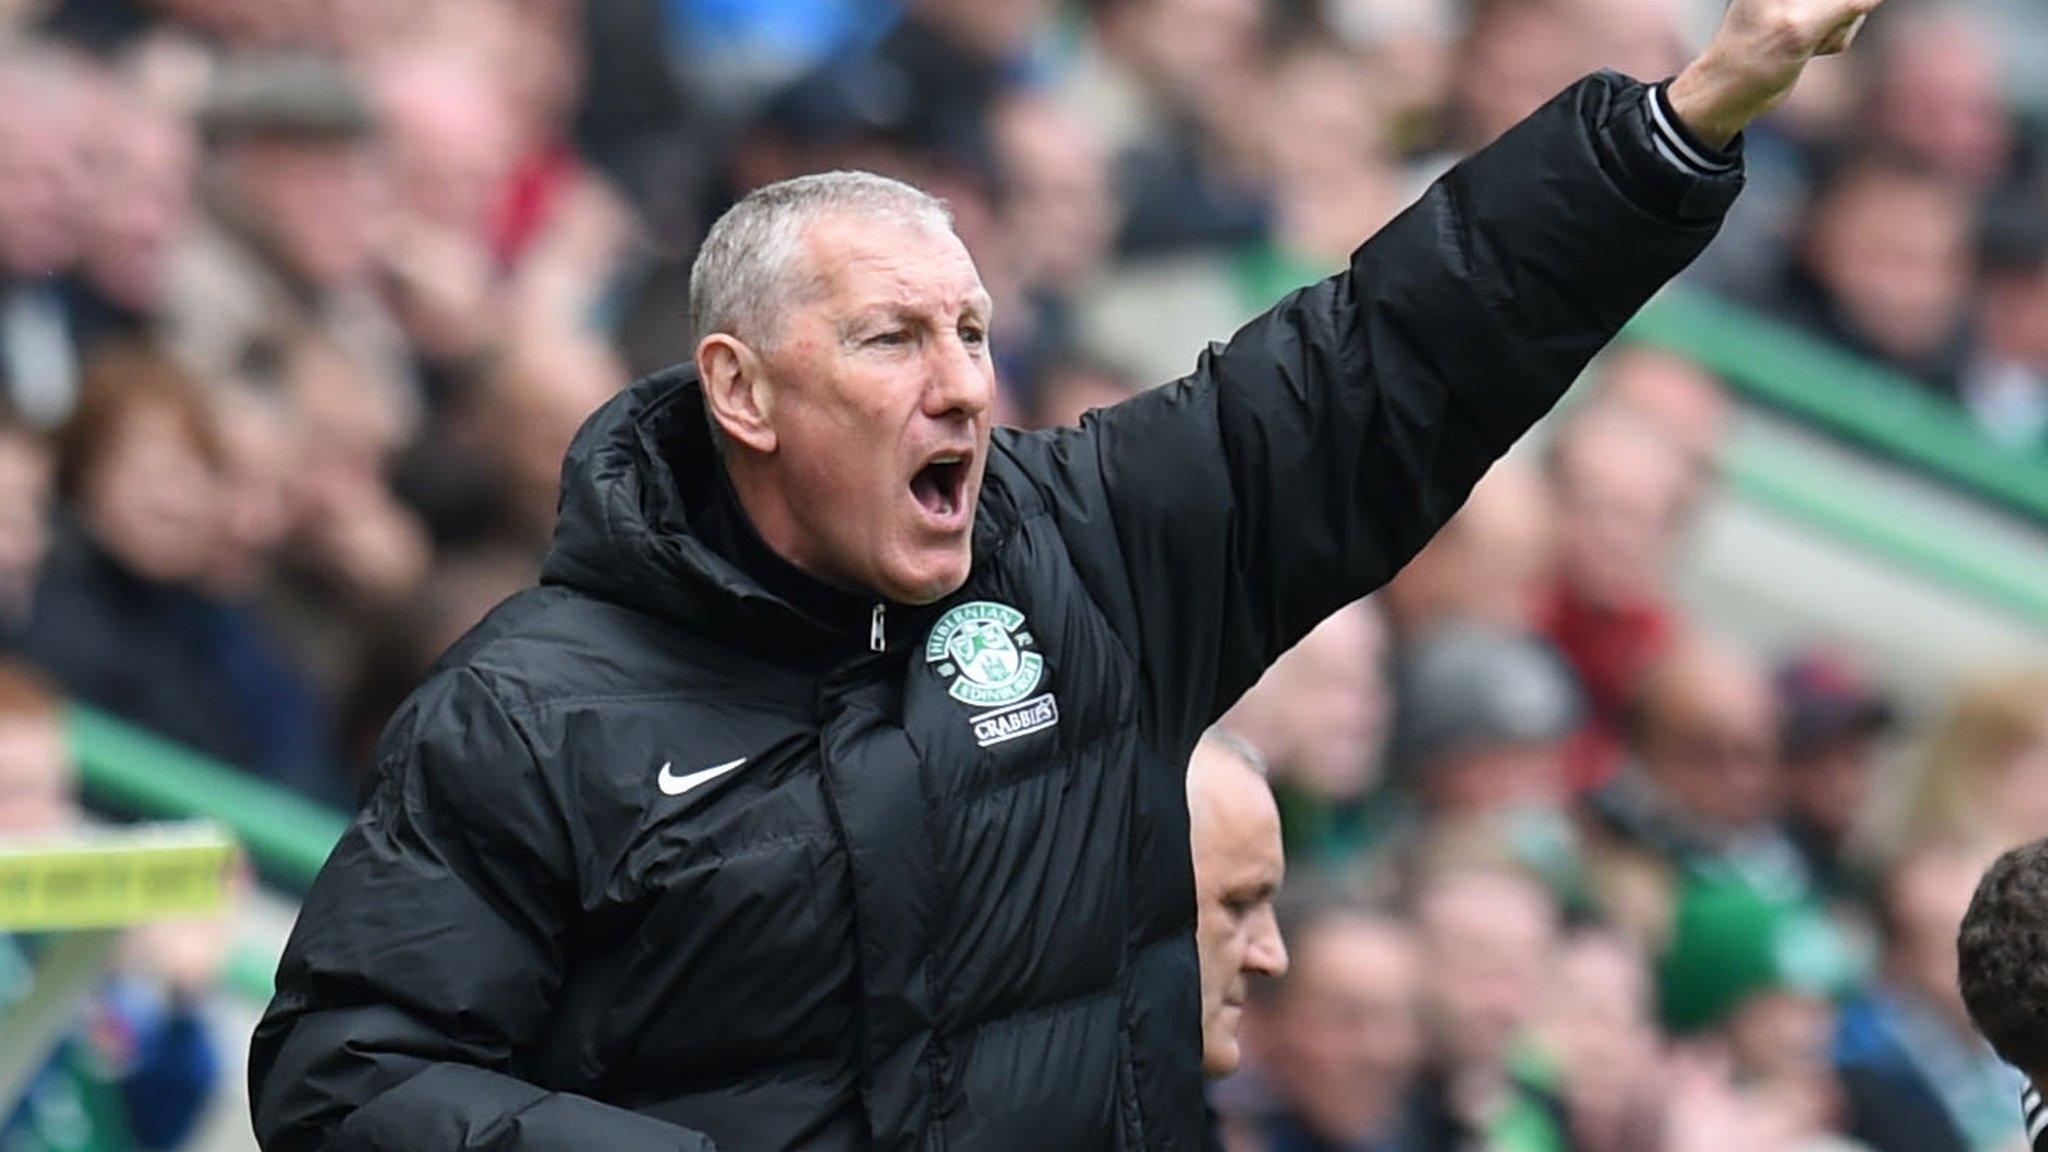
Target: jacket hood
[{"x": 623, "y": 530}]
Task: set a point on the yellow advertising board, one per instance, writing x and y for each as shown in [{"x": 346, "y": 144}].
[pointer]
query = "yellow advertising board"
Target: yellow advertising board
[{"x": 108, "y": 877}]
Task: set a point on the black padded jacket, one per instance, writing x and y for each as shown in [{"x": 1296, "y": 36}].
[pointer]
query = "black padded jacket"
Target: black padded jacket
[{"x": 658, "y": 859}]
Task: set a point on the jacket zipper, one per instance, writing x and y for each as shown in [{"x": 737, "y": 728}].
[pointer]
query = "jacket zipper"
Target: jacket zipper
[{"x": 877, "y": 640}]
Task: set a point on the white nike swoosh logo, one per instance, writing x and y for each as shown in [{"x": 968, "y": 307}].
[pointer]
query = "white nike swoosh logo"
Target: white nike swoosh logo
[{"x": 675, "y": 785}]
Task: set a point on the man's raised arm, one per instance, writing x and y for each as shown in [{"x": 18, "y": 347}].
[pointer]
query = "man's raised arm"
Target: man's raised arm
[{"x": 1304, "y": 462}]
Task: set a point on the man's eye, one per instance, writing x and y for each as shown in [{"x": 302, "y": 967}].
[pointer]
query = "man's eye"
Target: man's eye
[
  {"x": 893, "y": 336},
  {"x": 973, "y": 337}
]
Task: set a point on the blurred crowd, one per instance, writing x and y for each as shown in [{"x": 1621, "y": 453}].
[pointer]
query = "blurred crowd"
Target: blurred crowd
[
  {"x": 1568, "y": 871},
  {"x": 301, "y": 302}
]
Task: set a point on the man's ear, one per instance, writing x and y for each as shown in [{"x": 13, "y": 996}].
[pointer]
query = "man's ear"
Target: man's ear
[{"x": 737, "y": 391}]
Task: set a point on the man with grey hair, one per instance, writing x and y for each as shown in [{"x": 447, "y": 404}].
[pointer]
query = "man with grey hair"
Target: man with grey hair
[
  {"x": 827, "y": 794},
  {"x": 743, "y": 272},
  {"x": 747, "y": 273}
]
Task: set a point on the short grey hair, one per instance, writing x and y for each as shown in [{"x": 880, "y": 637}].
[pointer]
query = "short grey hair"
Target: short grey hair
[{"x": 746, "y": 270}]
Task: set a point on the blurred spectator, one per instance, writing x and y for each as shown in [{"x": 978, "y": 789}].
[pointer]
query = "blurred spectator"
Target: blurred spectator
[
  {"x": 25, "y": 475},
  {"x": 1760, "y": 972},
  {"x": 560, "y": 233},
  {"x": 354, "y": 552},
  {"x": 1677, "y": 397},
  {"x": 1884, "y": 267},
  {"x": 1702, "y": 791},
  {"x": 1332, "y": 179},
  {"x": 1514, "y": 55},
  {"x": 143, "y": 163},
  {"x": 450, "y": 145},
  {"x": 1234, "y": 832},
  {"x": 141, "y": 1065},
  {"x": 1480, "y": 734},
  {"x": 534, "y": 398},
  {"x": 1264, "y": 189},
  {"x": 1597, "y": 1031},
  {"x": 2006, "y": 387},
  {"x": 1407, "y": 45},
  {"x": 1492, "y": 565},
  {"x": 1167, "y": 83},
  {"x": 291, "y": 722},
  {"x": 1985, "y": 773},
  {"x": 1755, "y": 972},
  {"x": 1832, "y": 720},
  {"x": 1318, "y": 718},
  {"x": 1339, "y": 1036},
  {"x": 1935, "y": 93},
  {"x": 1152, "y": 68},
  {"x": 1073, "y": 386},
  {"x": 120, "y": 618},
  {"x": 1055, "y": 220},
  {"x": 144, "y": 606},
  {"x": 1480, "y": 722},
  {"x": 1056, "y": 200},
  {"x": 291, "y": 238},
  {"x": 44, "y": 101},
  {"x": 1487, "y": 940},
  {"x": 1908, "y": 1033},
  {"x": 455, "y": 142},
  {"x": 1620, "y": 491}
]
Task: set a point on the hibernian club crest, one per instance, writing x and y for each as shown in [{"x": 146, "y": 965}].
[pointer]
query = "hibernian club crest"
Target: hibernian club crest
[{"x": 984, "y": 648}]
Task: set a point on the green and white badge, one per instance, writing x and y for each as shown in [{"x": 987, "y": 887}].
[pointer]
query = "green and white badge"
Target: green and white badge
[{"x": 985, "y": 649}]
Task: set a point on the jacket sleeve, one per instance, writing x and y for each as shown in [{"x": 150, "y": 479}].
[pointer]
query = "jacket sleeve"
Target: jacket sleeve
[
  {"x": 1218, "y": 519},
  {"x": 427, "y": 956}
]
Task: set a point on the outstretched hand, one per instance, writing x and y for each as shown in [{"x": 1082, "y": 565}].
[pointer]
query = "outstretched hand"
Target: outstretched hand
[{"x": 1756, "y": 58}]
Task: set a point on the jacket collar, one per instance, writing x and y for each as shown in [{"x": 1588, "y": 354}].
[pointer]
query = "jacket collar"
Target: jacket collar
[{"x": 646, "y": 519}]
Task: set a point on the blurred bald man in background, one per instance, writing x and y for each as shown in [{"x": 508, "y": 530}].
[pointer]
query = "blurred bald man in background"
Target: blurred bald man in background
[{"x": 1234, "y": 828}]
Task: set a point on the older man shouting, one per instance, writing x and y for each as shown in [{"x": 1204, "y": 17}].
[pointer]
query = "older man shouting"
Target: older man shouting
[{"x": 827, "y": 794}]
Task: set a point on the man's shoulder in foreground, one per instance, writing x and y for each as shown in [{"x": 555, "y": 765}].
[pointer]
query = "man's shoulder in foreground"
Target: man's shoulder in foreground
[
  {"x": 555, "y": 684},
  {"x": 550, "y": 646}
]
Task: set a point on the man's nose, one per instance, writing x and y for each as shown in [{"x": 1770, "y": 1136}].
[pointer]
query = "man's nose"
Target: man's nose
[
  {"x": 1268, "y": 952},
  {"x": 961, "y": 382}
]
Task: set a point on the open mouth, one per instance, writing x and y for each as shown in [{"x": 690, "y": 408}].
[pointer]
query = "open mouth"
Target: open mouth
[{"x": 940, "y": 487}]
